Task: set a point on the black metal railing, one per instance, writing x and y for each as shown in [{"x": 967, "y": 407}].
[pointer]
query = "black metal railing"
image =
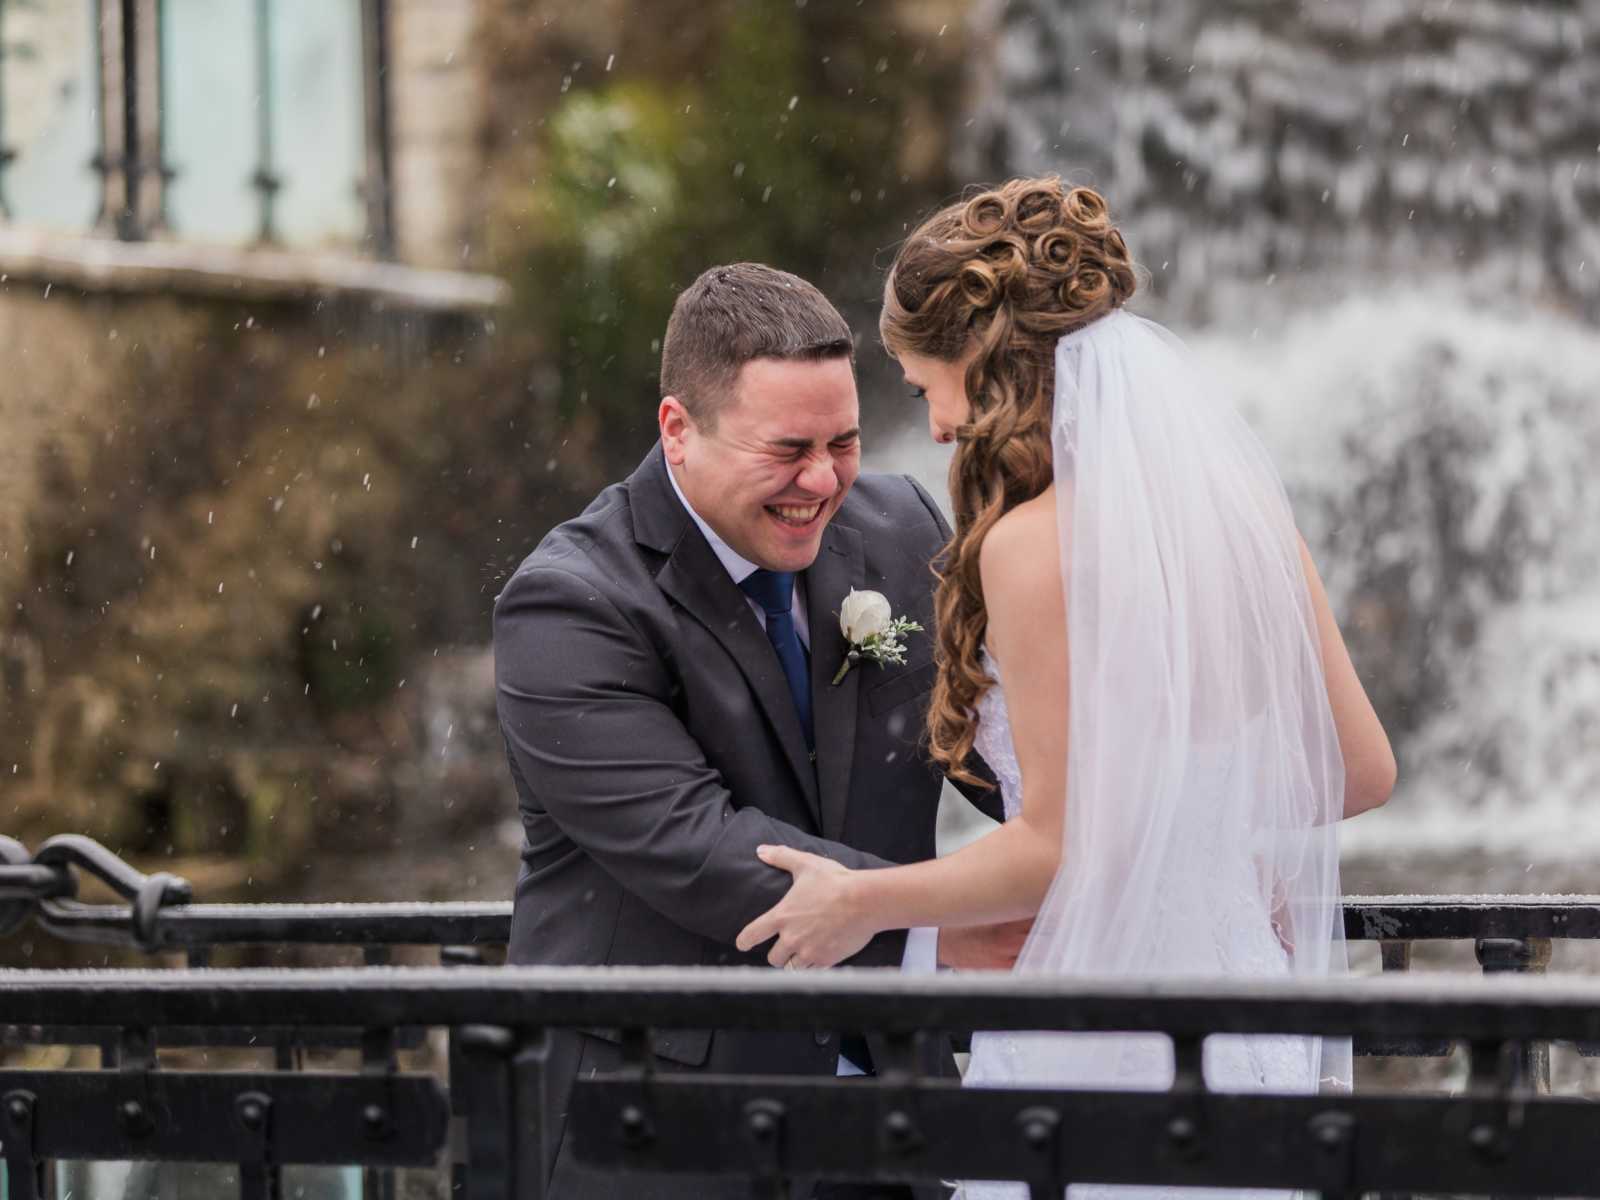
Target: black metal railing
[
  {"x": 43, "y": 887},
  {"x": 474, "y": 1041},
  {"x": 1499, "y": 1137}
]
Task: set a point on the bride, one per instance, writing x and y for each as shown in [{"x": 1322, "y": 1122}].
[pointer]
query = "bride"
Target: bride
[{"x": 1132, "y": 634}]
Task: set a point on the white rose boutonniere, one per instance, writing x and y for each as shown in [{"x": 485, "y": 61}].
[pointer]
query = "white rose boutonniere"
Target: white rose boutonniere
[{"x": 873, "y": 631}]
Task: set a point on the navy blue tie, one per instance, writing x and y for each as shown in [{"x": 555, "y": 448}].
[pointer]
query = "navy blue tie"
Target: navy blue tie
[{"x": 774, "y": 592}]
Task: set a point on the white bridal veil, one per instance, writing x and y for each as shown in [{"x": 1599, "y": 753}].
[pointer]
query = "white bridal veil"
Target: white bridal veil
[{"x": 1204, "y": 776}]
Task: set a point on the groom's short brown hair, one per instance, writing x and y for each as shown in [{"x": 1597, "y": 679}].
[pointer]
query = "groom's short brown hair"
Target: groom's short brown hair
[{"x": 733, "y": 314}]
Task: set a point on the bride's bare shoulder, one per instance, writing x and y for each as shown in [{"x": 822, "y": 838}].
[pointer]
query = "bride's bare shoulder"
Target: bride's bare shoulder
[
  {"x": 1020, "y": 566},
  {"x": 1022, "y": 552}
]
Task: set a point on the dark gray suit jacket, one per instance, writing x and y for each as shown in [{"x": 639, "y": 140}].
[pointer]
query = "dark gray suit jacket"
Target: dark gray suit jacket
[{"x": 654, "y": 744}]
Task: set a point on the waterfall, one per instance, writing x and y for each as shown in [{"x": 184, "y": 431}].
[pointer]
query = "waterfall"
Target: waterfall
[
  {"x": 1441, "y": 460},
  {"x": 1248, "y": 141},
  {"x": 1378, "y": 226}
]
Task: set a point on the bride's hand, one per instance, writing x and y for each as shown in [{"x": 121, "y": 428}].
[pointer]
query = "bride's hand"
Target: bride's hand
[{"x": 820, "y": 922}]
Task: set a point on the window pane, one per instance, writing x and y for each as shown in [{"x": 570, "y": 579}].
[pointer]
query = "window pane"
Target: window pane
[
  {"x": 209, "y": 118},
  {"x": 48, "y": 112},
  {"x": 318, "y": 131},
  {"x": 212, "y": 114}
]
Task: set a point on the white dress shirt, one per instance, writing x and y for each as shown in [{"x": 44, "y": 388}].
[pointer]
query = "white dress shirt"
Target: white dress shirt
[{"x": 921, "y": 956}]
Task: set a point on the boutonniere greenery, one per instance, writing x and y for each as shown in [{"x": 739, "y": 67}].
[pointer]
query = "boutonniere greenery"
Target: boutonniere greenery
[{"x": 873, "y": 631}]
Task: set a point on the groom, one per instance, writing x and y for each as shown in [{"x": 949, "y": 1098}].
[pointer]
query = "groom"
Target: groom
[{"x": 664, "y": 673}]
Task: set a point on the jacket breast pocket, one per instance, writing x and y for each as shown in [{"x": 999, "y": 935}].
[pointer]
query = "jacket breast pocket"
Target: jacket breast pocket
[{"x": 892, "y": 693}]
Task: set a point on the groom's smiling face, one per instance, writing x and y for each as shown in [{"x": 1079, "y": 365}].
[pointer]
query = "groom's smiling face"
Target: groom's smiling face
[{"x": 775, "y": 464}]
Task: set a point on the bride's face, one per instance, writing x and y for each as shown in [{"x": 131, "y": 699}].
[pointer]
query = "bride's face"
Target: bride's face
[{"x": 944, "y": 386}]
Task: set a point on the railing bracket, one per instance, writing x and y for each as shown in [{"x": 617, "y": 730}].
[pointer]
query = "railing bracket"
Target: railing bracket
[{"x": 24, "y": 1167}]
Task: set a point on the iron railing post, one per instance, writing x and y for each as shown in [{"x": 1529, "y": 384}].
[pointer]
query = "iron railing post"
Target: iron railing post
[
  {"x": 533, "y": 1100},
  {"x": 25, "y": 1170},
  {"x": 259, "y": 1176},
  {"x": 377, "y": 1060},
  {"x": 485, "y": 1058},
  {"x": 1521, "y": 956}
]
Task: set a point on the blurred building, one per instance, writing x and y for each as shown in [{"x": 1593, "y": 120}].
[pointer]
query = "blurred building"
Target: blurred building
[
  {"x": 273, "y": 150},
  {"x": 212, "y": 216},
  {"x": 342, "y": 132}
]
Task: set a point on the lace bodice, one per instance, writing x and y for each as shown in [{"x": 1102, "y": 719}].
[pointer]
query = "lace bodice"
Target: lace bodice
[{"x": 993, "y": 742}]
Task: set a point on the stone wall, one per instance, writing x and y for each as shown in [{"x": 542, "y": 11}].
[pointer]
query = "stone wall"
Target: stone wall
[
  {"x": 53, "y": 376},
  {"x": 192, "y": 492},
  {"x": 436, "y": 99}
]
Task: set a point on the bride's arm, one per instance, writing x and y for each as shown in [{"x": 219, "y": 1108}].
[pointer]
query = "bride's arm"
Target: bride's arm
[
  {"x": 1005, "y": 874},
  {"x": 1369, "y": 766}
]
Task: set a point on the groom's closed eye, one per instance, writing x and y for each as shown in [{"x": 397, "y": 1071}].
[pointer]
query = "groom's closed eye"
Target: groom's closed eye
[
  {"x": 794, "y": 456},
  {"x": 794, "y": 451}
]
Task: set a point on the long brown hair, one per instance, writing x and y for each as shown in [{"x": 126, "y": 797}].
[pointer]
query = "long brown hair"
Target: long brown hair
[{"x": 1003, "y": 275}]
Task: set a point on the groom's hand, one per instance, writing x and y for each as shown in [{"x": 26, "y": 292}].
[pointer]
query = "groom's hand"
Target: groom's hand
[{"x": 983, "y": 947}]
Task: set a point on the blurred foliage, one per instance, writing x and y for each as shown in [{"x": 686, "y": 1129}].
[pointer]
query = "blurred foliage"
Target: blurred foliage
[
  {"x": 801, "y": 135},
  {"x": 234, "y": 557},
  {"x": 240, "y": 542}
]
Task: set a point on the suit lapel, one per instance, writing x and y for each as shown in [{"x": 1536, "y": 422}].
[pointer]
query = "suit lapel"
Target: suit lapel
[
  {"x": 840, "y": 566},
  {"x": 697, "y": 580}
]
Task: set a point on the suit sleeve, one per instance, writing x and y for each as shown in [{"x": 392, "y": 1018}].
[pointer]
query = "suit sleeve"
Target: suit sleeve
[
  {"x": 986, "y": 800},
  {"x": 583, "y": 700}
]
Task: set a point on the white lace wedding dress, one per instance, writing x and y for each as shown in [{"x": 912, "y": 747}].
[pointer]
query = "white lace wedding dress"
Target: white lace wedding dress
[
  {"x": 1232, "y": 936},
  {"x": 1204, "y": 782}
]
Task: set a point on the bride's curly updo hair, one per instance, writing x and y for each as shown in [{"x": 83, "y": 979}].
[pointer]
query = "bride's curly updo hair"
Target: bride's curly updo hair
[{"x": 1001, "y": 275}]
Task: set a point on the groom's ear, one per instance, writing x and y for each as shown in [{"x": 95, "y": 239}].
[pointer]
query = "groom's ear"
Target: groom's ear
[{"x": 676, "y": 427}]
